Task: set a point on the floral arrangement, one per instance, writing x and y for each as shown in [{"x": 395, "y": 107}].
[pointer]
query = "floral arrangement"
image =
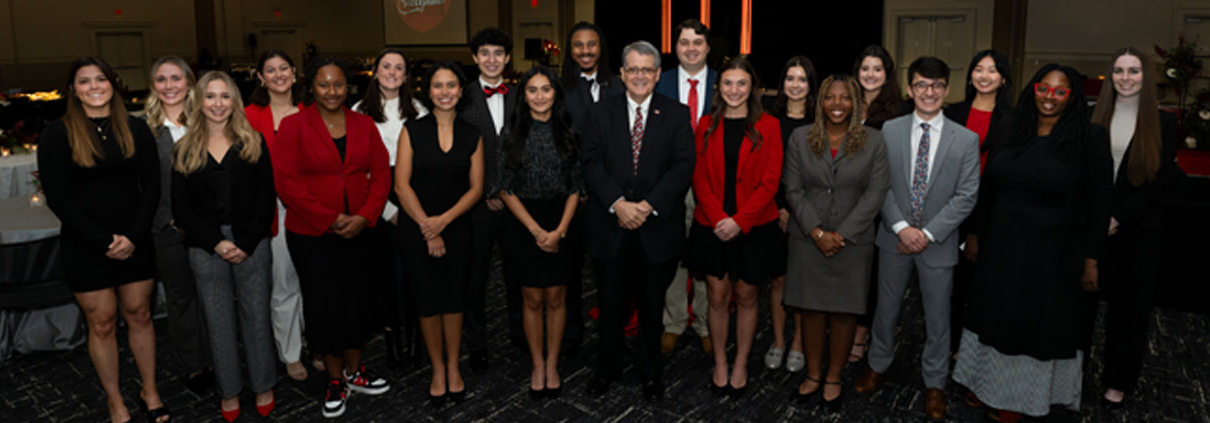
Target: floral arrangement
[
  {"x": 550, "y": 53},
  {"x": 1180, "y": 63},
  {"x": 1197, "y": 121},
  {"x": 11, "y": 144},
  {"x": 37, "y": 181}
]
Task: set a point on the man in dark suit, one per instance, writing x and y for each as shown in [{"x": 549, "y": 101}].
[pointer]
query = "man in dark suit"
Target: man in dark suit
[
  {"x": 638, "y": 155},
  {"x": 489, "y": 102},
  {"x": 934, "y": 171},
  {"x": 587, "y": 78},
  {"x": 691, "y": 83}
]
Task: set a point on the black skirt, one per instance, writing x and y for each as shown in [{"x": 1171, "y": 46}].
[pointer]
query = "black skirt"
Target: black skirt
[
  {"x": 755, "y": 257},
  {"x": 528, "y": 264},
  {"x": 334, "y": 277}
]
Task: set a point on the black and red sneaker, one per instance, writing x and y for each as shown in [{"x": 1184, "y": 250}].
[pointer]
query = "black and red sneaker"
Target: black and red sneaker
[
  {"x": 363, "y": 382},
  {"x": 334, "y": 399}
]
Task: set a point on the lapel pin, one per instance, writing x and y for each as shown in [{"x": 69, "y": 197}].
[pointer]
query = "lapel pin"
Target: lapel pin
[{"x": 656, "y": 111}]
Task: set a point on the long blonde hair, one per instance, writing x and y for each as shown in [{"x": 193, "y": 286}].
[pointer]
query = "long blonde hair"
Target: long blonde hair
[
  {"x": 817, "y": 138},
  {"x": 154, "y": 108},
  {"x": 81, "y": 135},
  {"x": 189, "y": 154}
]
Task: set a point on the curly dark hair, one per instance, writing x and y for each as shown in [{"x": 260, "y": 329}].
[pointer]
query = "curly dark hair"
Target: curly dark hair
[{"x": 1071, "y": 129}]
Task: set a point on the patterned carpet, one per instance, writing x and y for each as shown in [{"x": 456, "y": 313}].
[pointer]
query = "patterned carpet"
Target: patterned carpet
[{"x": 62, "y": 387}]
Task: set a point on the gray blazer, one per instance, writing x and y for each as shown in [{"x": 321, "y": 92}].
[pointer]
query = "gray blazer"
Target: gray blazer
[
  {"x": 842, "y": 194},
  {"x": 949, "y": 195},
  {"x": 163, "y": 212}
]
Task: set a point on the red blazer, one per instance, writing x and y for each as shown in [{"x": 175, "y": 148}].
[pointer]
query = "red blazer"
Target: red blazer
[
  {"x": 756, "y": 178},
  {"x": 313, "y": 183}
]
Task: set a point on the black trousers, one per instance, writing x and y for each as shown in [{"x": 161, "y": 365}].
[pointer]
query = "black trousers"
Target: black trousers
[
  {"x": 573, "y": 333},
  {"x": 1128, "y": 273},
  {"x": 334, "y": 274},
  {"x": 631, "y": 277},
  {"x": 186, "y": 325},
  {"x": 486, "y": 228}
]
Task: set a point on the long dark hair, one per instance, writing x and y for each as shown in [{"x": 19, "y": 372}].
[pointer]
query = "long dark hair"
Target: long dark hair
[
  {"x": 260, "y": 95},
  {"x": 313, "y": 71},
  {"x": 886, "y": 105},
  {"x": 780, "y": 104},
  {"x": 718, "y": 106},
  {"x": 427, "y": 88},
  {"x": 81, "y": 137},
  {"x": 1072, "y": 127},
  {"x": 519, "y": 121},
  {"x": 371, "y": 103},
  {"x": 571, "y": 69},
  {"x": 1004, "y": 93},
  {"x": 1147, "y": 141}
]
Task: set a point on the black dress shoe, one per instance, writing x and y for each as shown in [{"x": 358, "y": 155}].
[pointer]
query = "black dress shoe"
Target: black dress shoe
[
  {"x": 553, "y": 393},
  {"x": 597, "y": 386},
  {"x": 736, "y": 392},
  {"x": 802, "y": 398},
  {"x": 437, "y": 400},
  {"x": 458, "y": 397},
  {"x": 478, "y": 361},
  {"x": 537, "y": 394},
  {"x": 718, "y": 391},
  {"x": 653, "y": 390},
  {"x": 833, "y": 405}
]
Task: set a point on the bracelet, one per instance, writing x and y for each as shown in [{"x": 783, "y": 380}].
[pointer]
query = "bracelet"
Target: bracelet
[{"x": 820, "y": 233}]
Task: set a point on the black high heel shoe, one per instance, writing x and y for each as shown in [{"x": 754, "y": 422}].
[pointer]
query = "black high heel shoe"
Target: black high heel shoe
[
  {"x": 458, "y": 397},
  {"x": 552, "y": 393},
  {"x": 802, "y": 398},
  {"x": 537, "y": 394},
  {"x": 833, "y": 405},
  {"x": 718, "y": 391},
  {"x": 437, "y": 400}
]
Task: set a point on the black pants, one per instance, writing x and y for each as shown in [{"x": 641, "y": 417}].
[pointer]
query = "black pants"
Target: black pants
[
  {"x": 334, "y": 274},
  {"x": 485, "y": 231},
  {"x": 573, "y": 333},
  {"x": 964, "y": 275},
  {"x": 186, "y": 328},
  {"x": 627, "y": 277},
  {"x": 1128, "y": 281}
]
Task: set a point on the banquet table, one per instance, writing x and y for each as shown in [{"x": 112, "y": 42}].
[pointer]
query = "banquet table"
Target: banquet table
[
  {"x": 15, "y": 177},
  {"x": 43, "y": 329}
]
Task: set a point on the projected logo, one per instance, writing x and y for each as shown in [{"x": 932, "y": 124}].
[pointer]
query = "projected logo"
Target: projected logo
[{"x": 422, "y": 15}]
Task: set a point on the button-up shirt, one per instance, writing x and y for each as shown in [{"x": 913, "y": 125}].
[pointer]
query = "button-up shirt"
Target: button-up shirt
[{"x": 495, "y": 104}]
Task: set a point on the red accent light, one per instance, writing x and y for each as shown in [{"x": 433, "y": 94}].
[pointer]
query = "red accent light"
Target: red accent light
[
  {"x": 277, "y": 13},
  {"x": 117, "y": 12},
  {"x": 533, "y": 3}
]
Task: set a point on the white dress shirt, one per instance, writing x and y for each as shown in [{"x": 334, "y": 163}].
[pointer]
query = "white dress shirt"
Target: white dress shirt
[
  {"x": 177, "y": 132},
  {"x": 632, "y": 108},
  {"x": 495, "y": 104},
  {"x": 934, "y": 141},
  {"x": 595, "y": 88},
  {"x": 682, "y": 78},
  {"x": 389, "y": 132}
]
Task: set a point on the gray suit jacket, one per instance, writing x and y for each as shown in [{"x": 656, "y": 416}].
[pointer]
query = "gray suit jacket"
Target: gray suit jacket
[
  {"x": 949, "y": 195},
  {"x": 841, "y": 195}
]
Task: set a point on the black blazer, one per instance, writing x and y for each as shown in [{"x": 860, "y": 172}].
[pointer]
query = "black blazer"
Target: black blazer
[
  {"x": 578, "y": 97},
  {"x": 958, "y": 112},
  {"x": 664, "y": 176},
  {"x": 253, "y": 203},
  {"x": 476, "y": 113},
  {"x": 1130, "y": 204}
]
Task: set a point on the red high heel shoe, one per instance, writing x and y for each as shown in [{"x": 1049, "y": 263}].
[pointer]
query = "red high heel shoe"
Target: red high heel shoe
[
  {"x": 230, "y": 415},
  {"x": 264, "y": 410}
]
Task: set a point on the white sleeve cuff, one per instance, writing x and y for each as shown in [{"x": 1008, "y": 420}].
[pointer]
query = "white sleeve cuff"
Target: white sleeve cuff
[
  {"x": 615, "y": 202},
  {"x": 389, "y": 210},
  {"x": 898, "y": 226},
  {"x": 929, "y": 234}
]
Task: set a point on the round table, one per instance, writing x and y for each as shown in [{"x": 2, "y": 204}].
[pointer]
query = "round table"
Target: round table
[
  {"x": 15, "y": 177},
  {"x": 19, "y": 222}
]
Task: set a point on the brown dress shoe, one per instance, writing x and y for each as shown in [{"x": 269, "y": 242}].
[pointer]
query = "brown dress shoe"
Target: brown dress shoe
[
  {"x": 868, "y": 382},
  {"x": 668, "y": 342},
  {"x": 934, "y": 404},
  {"x": 708, "y": 345}
]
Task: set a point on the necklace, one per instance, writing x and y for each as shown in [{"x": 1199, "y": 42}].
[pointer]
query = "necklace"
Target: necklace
[{"x": 100, "y": 131}]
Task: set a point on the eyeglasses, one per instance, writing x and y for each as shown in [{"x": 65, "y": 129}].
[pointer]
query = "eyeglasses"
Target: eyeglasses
[
  {"x": 638, "y": 70},
  {"x": 1042, "y": 89},
  {"x": 922, "y": 86}
]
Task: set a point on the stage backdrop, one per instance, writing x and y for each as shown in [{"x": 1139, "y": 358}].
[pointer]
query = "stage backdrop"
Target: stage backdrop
[{"x": 420, "y": 22}]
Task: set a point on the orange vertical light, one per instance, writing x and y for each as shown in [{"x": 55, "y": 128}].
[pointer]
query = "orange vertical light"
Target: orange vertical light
[
  {"x": 705, "y": 13},
  {"x": 666, "y": 26},
  {"x": 745, "y": 32}
]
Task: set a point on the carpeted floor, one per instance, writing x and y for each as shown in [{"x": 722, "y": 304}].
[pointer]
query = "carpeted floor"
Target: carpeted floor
[{"x": 62, "y": 387}]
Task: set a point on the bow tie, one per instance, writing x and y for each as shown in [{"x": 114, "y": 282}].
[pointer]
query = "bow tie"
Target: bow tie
[
  {"x": 500, "y": 89},
  {"x": 590, "y": 81}
]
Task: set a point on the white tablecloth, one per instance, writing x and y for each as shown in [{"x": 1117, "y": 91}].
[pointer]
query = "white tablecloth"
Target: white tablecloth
[
  {"x": 15, "y": 175},
  {"x": 19, "y": 222}
]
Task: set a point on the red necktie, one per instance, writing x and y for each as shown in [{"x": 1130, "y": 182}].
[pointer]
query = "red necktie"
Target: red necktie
[
  {"x": 636, "y": 138},
  {"x": 500, "y": 89},
  {"x": 693, "y": 103}
]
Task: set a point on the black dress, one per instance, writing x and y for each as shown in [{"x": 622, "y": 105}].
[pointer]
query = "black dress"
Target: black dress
[
  {"x": 118, "y": 195},
  {"x": 439, "y": 178},
  {"x": 755, "y": 257},
  {"x": 1044, "y": 215},
  {"x": 542, "y": 180}
]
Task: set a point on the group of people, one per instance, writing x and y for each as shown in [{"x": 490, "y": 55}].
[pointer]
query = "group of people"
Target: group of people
[{"x": 1010, "y": 216}]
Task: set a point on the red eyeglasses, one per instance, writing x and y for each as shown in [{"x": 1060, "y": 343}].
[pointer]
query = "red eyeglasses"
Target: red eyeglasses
[{"x": 1042, "y": 88}]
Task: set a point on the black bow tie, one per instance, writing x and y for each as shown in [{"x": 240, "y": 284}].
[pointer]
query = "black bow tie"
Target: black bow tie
[{"x": 590, "y": 81}]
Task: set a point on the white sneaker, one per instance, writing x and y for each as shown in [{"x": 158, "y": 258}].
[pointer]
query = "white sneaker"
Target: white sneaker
[
  {"x": 795, "y": 361},
  {"x": 334, "y": 400},
  {"x": 363, "y": 383}
]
